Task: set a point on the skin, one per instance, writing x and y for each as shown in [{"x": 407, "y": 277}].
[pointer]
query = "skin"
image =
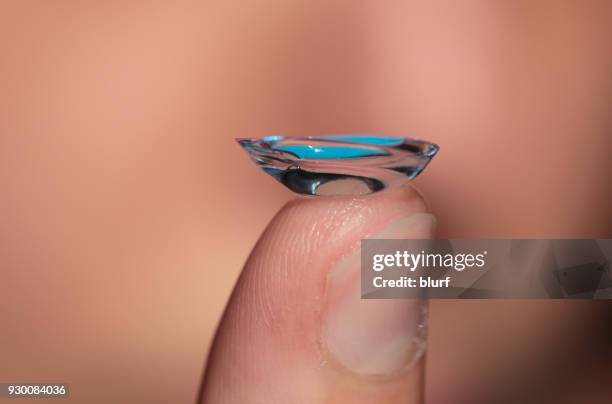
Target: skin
[
  {"x": 268, "y": 347},
  {"x": 122, "y": 237}
]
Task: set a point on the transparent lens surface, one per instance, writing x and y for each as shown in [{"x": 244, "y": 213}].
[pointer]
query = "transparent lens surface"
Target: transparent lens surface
[{"x": 340, "y": 164}]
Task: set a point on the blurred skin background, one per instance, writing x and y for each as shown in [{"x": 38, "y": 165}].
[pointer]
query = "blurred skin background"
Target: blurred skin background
[{"x": 127, "y": 210}]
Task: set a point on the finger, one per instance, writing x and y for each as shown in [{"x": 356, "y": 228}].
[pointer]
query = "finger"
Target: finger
[{"x": 295, "y": 329}]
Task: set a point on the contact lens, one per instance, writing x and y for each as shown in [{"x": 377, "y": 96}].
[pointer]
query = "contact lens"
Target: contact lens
[{"x": 340, "y": 164}]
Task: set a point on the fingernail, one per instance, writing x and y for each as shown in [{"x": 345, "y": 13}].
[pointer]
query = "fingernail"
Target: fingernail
[{"x": 375, "y": 337}]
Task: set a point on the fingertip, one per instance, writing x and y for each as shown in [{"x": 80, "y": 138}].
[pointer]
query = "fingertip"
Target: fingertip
[
  {"x": 304, "y": 212},
  {"x": 271, "y": 332}
]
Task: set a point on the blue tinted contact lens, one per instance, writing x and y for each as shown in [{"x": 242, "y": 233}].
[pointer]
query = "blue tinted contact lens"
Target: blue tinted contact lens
[{"x": 340, "y": 164}]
